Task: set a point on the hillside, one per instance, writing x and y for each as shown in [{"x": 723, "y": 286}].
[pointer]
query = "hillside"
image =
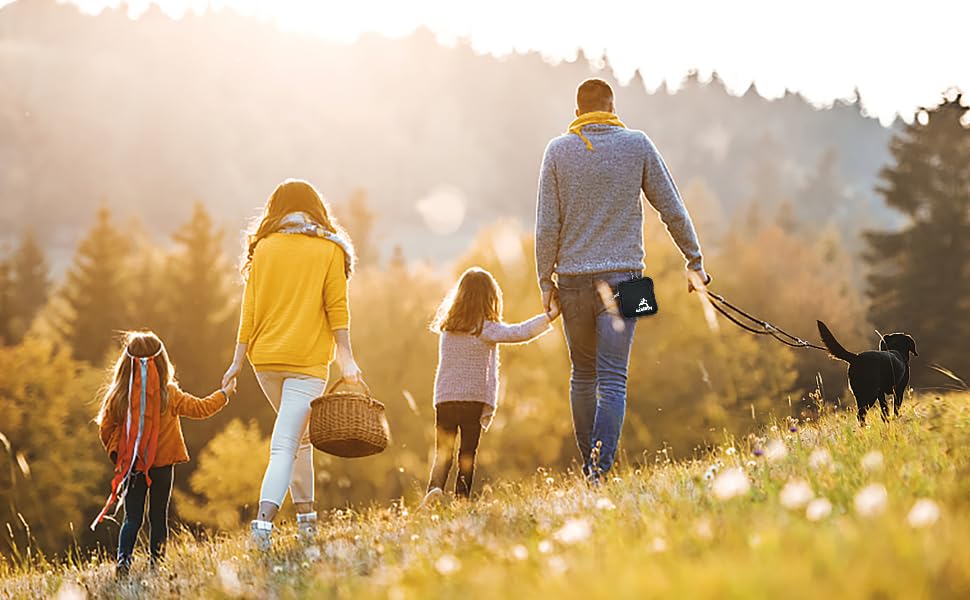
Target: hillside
[
  {"x": 152, "y": 115},
  {"x": 820, "y": 510}
]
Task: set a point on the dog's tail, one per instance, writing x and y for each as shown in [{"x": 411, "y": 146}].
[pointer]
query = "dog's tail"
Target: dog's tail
[{"x": 835, "y": 348}]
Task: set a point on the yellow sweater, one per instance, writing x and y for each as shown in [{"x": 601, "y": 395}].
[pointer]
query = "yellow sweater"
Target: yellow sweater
[{"x": 295, "y": 297}]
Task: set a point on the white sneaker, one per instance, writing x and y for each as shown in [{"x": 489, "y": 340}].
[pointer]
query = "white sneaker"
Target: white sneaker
[
  {"x": 430, "y": 499},
  {"x": 306, "y": 527},
  {"x": 261, "y": 535}
]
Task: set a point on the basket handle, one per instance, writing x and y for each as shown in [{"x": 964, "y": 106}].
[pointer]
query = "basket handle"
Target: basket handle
[{"x": 360, "y": 384}]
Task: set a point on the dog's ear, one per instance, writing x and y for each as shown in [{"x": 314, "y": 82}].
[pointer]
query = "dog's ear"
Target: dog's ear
[{"x": 912, "y": 345}]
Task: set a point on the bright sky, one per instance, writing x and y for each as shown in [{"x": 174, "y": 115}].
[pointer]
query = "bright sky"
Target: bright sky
[{"x": 900, "y": 54}]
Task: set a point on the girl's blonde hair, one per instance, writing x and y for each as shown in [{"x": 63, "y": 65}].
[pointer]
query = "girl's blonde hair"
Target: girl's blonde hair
[
  {"x": 475, "y": 299},
  {"x": 138, "y": 344},
  {"x": 292, "y": 195}
]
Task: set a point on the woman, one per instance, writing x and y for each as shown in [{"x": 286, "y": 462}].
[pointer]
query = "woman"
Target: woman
[{"x": 294, "y": 322}]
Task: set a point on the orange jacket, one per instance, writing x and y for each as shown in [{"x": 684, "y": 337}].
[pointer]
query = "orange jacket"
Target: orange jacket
[{"x": 171, "y": 444}]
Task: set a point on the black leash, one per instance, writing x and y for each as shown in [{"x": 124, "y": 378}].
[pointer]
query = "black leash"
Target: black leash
[{"x": 723, "y": 306}]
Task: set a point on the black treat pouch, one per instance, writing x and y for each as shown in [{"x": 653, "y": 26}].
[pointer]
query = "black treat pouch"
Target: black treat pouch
[{"x": 636, "y": 298}]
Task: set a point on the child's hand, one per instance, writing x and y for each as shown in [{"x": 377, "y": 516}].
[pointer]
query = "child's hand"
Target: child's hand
[
  {"x": 230, "y": 387},
  {"x": 554, "y": 309}
]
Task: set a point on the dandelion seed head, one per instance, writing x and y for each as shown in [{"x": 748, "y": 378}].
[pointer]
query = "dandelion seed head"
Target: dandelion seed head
[
  {"x": 545, "y": 547},
  {"x": 924, "y": 513},
  {"x": 658, "y": 545},
  {"x": 872, "y": 461},
  {"x": 447, "y": 564},
  {"x": 820, "y": 457},
  {"x": 871, "y": 500},
  {"x": 520, "y": 552},
  {"x": 574, "y": 531},
  {"x": 818, "y": 509},
  {"x": 730, "y": 483},
  {"x": 603, "y": 503},
  {"x": 776, "y": 450},
  {"x": 557, "y": 565},
  {"x": 796, "y": 494}
]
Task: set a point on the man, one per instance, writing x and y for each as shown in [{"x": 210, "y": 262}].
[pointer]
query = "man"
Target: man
[{"x": 589, "y": 231}]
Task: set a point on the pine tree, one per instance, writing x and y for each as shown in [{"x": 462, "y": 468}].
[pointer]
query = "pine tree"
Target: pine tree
[
  {"x": 920, "y": 281},
  {"x": 94, "y": 291},
  {"x": 359, "y": 218},
  {"x": 30, "y": 284},
  {"x": 200, "y": 302}
]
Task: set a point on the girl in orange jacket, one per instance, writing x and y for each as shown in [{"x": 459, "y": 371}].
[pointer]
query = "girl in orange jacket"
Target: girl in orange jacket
[{"x": 142, "y": 433}]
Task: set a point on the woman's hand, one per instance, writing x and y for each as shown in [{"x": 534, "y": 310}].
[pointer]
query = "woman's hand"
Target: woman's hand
[
  {"x": 235, "y": 366},
  {"x": 229, "y": 388},
  {"x": 350, "y": 372},
  {"x": 230, "y": 375}
]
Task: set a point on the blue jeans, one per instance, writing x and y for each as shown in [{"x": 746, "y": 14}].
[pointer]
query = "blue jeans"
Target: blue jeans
[{"x": 599, "y": 350}]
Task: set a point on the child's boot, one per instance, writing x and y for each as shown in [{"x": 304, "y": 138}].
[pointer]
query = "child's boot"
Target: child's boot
[
  {"x": 306, "y": 527},
  {"x": 261, "y": 535}
]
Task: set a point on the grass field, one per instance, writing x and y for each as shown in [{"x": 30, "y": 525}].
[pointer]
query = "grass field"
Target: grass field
[{"x": 818, "y": 510}]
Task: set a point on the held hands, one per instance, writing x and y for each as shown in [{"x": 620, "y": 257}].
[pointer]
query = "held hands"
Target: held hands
[
  {"x": 229, "y": 388},
  {"x": 230, "y": 376},
  {"x": 697, "y": 281},
  {"x": 550, "y": 303}
]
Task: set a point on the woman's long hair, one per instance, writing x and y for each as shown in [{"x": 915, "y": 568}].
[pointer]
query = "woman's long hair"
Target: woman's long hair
[
  {"x": 293, "y": 195},
  {"x": 477, "y": 298},
  {"x": 114, "y": 399}
]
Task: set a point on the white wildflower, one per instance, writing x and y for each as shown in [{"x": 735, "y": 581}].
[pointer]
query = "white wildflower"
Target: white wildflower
[
  {"x": 796, "y": 494},
  {"x": 658, "y": 545},
  {"x": 820, "y": 457},
  {"x": 519, "y": 552},
  {"x": 871, "y": 500},
  {"x": 776, "y": 450},
  {"x": 872, "y": 461},
  {"x": 447, "y": 564},
  {"x": 545, "y": 546},
  {"x": 818, "y": 509},
  {"x": 703, "y": 529},
  {"x": 557, "y": 565},
  {"x": 229, "y": 578},
  {"x": 924, "y": 513},
  {"x": 603, "y": 503},
  {"x": 574, "y": 531},
  {"x": 312, "y": 553},
  {"x": 710, "y": 473},
  {"x": 70, "y": 591},
  {"x": 550, "y": 481},
  {"x": 730, "y": 451},
  {"x": 731, "y": 483}
]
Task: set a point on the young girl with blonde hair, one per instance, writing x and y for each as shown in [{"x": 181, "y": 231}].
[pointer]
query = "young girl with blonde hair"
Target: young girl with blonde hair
[
  {"x": 140, "y": 429},
  {"x": 469, "y": 323}
]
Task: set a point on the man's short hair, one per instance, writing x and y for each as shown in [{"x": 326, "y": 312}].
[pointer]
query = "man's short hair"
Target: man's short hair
[{"x": 593, "y": 94}]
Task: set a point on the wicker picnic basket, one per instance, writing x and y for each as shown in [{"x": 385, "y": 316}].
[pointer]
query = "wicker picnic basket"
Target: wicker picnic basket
[{"x": 348, "y": 422}]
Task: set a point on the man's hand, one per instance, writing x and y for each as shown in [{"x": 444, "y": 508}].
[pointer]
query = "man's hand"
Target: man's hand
[
  {"x": 697, "y": 281},
  {"x": 549, "y": 298}
]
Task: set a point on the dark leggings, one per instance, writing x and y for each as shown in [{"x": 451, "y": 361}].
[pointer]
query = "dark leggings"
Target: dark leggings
[
  {"x": 158, "y": 496},
  {"x": 450, "y": 417}
]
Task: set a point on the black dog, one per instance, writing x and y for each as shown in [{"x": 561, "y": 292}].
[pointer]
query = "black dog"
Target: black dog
[{"x": 874, "y": 374}]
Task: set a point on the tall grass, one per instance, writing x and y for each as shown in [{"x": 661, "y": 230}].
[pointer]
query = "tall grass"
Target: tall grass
[{"x": 811, "y": 510}]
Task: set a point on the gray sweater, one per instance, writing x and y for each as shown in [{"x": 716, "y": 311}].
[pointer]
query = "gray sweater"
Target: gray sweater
[
  {"x": 468, "y": 364},
  {"x": 589, "y": 217}
]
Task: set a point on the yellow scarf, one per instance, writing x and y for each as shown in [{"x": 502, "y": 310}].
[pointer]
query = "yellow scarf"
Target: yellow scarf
[{"x": 598, "y": 117}]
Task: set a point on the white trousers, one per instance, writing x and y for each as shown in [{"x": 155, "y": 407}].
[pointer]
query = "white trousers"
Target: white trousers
[{"x": 290, "y": 453}]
